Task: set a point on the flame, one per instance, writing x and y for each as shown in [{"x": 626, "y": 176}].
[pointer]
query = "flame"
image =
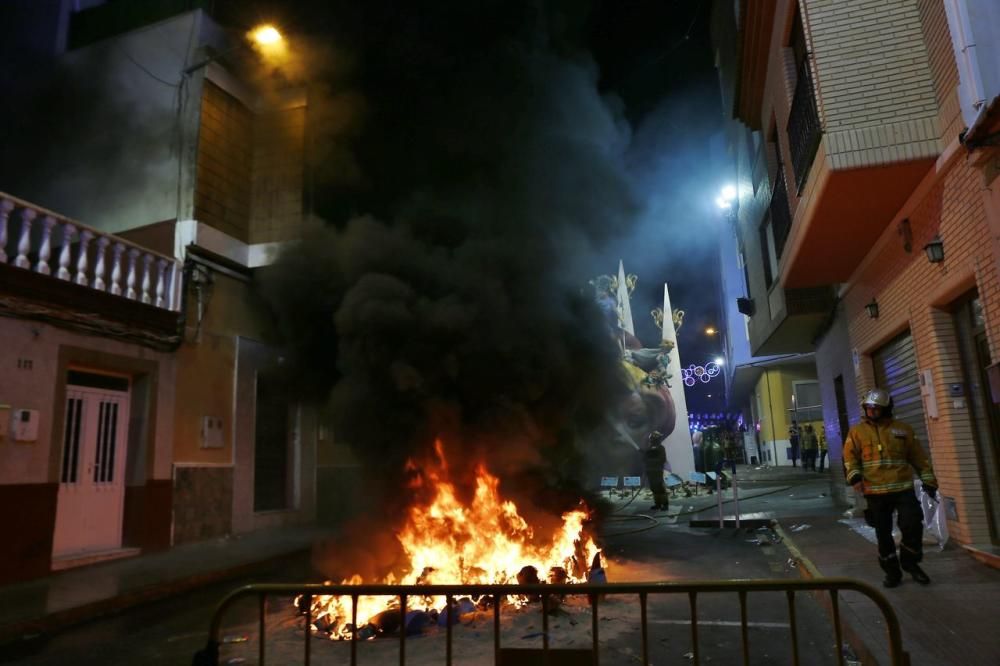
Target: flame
[{"x": 448, "y": 542}]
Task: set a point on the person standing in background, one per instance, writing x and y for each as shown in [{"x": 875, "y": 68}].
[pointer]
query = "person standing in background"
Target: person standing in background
[
  {"x": 793, "y": 442},
  {"x": 822, "y": 448},
  {"x": 809, "y": 446},
  {"x": 655, "y": 458}
]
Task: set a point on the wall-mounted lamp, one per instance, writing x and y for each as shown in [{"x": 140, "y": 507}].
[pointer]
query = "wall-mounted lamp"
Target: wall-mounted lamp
[
  {"x": 935, "y": 250},
  {"x": 872, "y": 309},
  {"x": 907, "y": 234}
]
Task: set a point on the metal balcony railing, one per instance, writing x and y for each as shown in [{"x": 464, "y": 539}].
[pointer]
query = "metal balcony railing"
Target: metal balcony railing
[
  {"x": 781, "y": 215},
  {"x": 38, "y": 240},
  {"x": 804, "y": 130},
  {"x": 209, "y": 656}
]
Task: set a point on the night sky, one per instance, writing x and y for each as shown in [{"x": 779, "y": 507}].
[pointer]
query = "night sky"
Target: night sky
[
  {"x": 417, "y": 65},
  {"x": 477, "y": 164}
]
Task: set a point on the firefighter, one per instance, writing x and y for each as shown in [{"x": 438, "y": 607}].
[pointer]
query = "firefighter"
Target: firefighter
[
  {"x": 880, "y": 454},
  {"x": 655, "y": 457}
]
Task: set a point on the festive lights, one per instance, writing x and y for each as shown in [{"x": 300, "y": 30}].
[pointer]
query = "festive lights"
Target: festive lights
[{"x": 692, "y": 374}]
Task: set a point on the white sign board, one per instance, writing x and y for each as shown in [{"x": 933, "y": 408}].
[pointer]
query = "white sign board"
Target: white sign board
[
  {"x": 609, "y": 482},
  {"x": 633, "y": 481}
]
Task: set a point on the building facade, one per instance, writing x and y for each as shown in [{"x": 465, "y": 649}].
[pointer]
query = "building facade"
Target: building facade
[
  {"x": 89, "y": 322},
  {"x": 875, "y": 122},
  {"x": 166, "y": 143}
]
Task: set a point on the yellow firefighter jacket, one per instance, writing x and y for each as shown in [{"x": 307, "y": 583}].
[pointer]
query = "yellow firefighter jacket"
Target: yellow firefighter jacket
[{"x": 884, "y": 454}]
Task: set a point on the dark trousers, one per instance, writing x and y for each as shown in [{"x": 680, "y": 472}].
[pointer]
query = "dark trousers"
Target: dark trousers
[
  {"x": 910, "y": 519},
  {"x": 660, "y": 496},
  {"x": 822, "y": 459},
  {"x": 794, "y": 445},
  {"x": 809, "y": 459}
]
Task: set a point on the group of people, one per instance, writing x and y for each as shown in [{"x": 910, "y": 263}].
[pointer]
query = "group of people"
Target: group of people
[
  {"x": 812, "y": 446},
  {"x": 881, "y": 457}
]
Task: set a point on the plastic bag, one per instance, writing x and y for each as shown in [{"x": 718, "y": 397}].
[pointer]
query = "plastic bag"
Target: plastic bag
[{"x": 935, "y": 519}]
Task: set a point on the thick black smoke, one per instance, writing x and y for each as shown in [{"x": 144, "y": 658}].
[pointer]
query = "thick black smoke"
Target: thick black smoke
[{"x": 458, "y": 308}]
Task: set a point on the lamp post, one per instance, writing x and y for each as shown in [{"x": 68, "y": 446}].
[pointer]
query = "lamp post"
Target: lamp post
[{"x": 266, "y": 39}]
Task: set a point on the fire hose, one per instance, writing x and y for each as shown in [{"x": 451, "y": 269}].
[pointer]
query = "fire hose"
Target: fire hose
[{"x": 656, "y": 522}]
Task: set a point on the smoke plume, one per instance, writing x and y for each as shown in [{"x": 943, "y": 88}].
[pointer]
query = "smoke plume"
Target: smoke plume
[{"x": 455, "y": 305}]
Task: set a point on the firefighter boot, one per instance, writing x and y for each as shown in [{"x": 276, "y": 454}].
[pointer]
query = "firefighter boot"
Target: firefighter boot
[
  {"x": 893, "y": 574},
  {"x": 918, "y": 574},
  {"x": 908, "y": 559}
]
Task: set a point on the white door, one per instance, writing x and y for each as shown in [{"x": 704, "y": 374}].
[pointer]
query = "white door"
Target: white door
[{"x": 91, "y": 476}]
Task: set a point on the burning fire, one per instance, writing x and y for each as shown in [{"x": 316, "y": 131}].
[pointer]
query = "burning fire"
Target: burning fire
[{"x": 448, "y": 542}]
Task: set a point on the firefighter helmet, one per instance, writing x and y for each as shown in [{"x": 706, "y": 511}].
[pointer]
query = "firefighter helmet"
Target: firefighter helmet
[{"x": 878, "y": 397}]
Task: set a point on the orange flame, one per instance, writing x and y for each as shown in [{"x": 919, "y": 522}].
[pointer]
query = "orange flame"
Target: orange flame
[{"x": 448, "y": 542}]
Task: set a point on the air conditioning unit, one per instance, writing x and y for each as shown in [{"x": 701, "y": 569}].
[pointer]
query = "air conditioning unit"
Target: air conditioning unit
[{"x": 745, "y": 306}]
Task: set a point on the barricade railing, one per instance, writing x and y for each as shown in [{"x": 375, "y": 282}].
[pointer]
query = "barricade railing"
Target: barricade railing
[{"x": 209, "y": 656}]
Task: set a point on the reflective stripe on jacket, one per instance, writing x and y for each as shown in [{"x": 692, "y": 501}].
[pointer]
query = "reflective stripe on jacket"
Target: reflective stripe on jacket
[{"x": 884, "y": 454}]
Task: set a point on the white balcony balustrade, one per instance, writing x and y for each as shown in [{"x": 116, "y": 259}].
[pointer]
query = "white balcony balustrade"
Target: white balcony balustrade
[{"x": 28, "y": 240}]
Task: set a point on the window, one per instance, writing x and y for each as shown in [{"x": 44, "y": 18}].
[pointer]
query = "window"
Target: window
[
  {"x": 806, "y": 403},
  {"x": 767, "y": 252}
]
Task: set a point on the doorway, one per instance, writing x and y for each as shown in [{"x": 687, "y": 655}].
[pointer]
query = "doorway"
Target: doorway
[
  {"x": 91, "y": 493},
  {"x": 974, "y": 352},
  {"x": 895, "y": 365},
  {"x": 273, "y": 445}
]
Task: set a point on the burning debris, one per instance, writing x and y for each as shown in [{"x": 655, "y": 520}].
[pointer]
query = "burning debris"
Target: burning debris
[{"x": 448, "y": 541}]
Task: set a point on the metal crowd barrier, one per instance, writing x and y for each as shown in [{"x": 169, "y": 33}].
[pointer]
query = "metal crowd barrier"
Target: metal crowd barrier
[{"x": 209, "y": 656}]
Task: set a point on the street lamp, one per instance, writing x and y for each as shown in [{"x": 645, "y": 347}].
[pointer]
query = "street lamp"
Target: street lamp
[
  {"x": 872, "y": 309},
  {"x": 935, "y": 250},
  {"x": 726, "y": 197},
  {"x": 265, "y": 39},
  {"x": 720, "y": 361},
  {"x": 710, "y": 330},
  {"x": 265, "y": 35}
]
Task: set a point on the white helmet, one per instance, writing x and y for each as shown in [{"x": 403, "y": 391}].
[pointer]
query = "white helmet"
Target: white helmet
[{"x": 877, "y": 397}]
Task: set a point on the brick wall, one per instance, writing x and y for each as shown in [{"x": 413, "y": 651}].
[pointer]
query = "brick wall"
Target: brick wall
[
  {"x": 223, "y": 185},
  {"x": 941, "y": 57},
  {"x": 914, "y": 294},
  {"x": 278, "y": 173},
  {"x": 873, "y": 77}
]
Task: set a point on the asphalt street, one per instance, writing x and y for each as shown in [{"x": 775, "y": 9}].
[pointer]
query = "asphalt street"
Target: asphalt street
[{"x": 640, "y": 546}]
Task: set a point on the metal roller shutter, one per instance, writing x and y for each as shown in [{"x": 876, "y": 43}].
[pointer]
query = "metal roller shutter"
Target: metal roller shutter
[{"x": 896, "y": 371}]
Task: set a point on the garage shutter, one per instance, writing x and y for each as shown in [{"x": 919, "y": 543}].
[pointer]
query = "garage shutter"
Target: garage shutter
[{"x": 896, "y": 371}]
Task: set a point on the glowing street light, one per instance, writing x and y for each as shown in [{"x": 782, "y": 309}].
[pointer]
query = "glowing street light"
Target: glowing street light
[
  {"x": 264, "y": 39},
  {"x": 719, "y": 360},
  {"x": 726, "y": 197},
  {"x": 266, "y": 35},
  {"x": 710, "y": 330}
]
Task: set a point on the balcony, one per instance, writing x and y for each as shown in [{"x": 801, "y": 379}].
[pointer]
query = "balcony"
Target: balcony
[
  {"x": 59, "y": 270},
  {"x": 804, "y": 131},
  {"x": 790, "y": 321},
  {"x": 862, "y": 133},
  {"x": 781, "y": 214}
]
